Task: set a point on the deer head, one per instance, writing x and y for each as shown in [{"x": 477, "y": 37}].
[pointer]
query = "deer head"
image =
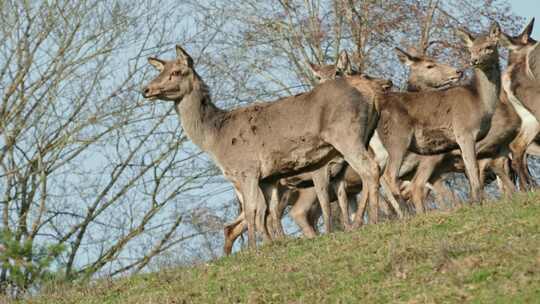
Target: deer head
[
  {"x": 343, "y": 68},
  {"x": 364, "y": 82},
  {"x": 327, "y": 72},
  {"x": 426, "y": 72},
  {"x": 522, "y": 43},
  {"x": 175, "y": 78},
  {"x": 483, "y": 49}
]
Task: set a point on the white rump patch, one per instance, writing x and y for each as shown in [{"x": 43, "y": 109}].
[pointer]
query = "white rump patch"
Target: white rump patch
[
  {"x": 381, "y": 154},
  {"x": 529, "y": 124}
]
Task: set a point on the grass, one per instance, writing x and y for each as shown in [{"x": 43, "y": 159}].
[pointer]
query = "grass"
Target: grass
[{"x": 488, "y": 254}]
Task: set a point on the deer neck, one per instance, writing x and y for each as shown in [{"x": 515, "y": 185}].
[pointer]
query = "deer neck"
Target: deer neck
[
  {"x": 197, "y": 114},
  {"x": 487, "y": 81}
]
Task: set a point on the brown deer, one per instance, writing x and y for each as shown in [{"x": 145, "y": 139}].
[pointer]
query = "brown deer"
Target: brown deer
[
  {"x": 256, "y": 145},
  {"x": 514, "y": 126},
  {"x": 521, "y": 82},
  {"x": 434, "y": 122},
  {"x": 492, "y": 153},
  {"x": 426, "y": 74},
  {"x": 492, "y": 150},
  {"x": 434, "y": 75},
  {"x": 319, "y": 178}
]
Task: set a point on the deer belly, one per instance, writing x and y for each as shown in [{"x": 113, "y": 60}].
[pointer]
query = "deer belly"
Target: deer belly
[
  {"x": 295, "y": 158},
  {"x": 432, "y": 141}
]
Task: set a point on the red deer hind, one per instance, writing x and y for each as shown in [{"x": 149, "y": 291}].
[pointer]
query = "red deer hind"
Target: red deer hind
[{"x": 256, "y": 145}]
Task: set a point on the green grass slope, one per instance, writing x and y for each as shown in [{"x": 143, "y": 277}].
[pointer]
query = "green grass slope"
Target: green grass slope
[{"x": 488, "y": 254}]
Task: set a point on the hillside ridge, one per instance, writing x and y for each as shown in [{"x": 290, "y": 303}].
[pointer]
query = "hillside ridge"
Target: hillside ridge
[{"x": 488, "y": 253}]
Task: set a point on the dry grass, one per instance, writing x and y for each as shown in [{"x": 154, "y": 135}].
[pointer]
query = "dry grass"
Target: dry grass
[{"x": 488, "y": 254}]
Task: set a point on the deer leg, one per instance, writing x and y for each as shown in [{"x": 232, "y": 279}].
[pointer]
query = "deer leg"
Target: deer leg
[
  {"x": 530, "y": 181},
  {"x": 249, "y": 213},
  {"x": 390, "y": 198},
  {"x": 368, "y": 170},
  {"x": 518, "y": 156},
  {"x": 383, "y": 208},
  {"x": 501, "y": 169},
  {"x": 302, "y": 210},
  {"x": 275, "y": 214},
  {"x": 468, "y": 152},
  {"x": 232, "y": 231},
  {"x": 483, "y": 165},
  {"x": 396, "y": 154},
  {"x": 353, "y": 147},
  {"x": 421, "y": 178},
  {"x": 287, "y": 197},
  {"x": 341, "y": 189},
  {"x": 359, "y": 216},
  {"x": 254, "y": 206},
  {"x": 321, "y": 182},
  {"x": 261, "y": 213},
  {"x": 518, "y": 148},
  {"x": 272, "y": 206},
  {"x": 314, "y": 215}
]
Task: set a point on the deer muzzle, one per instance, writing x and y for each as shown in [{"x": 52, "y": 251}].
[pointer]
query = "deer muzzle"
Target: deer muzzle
[{"x": 148, "y": 92}]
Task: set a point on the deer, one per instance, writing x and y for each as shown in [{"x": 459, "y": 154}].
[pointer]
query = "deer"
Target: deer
[
  {"x": 492, "y": 151},
  {"x": 258, "y": 144},
  {"x": 521, "y": 83},
  {"x": 319, "y": 179},
  {"x": 514, "y": 125},
  {"x": 426, "y": 73},
  {"x": 434, "y": 122}
]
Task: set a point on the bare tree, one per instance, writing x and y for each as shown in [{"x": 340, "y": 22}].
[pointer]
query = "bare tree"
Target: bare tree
[
  {"x": 93, "y": 179},
  {"x": 264, "y": 46},
  {"x": 102, "y": 182}
]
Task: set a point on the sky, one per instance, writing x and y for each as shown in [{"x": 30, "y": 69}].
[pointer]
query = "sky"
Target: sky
[{"x": 528, "y": 9}]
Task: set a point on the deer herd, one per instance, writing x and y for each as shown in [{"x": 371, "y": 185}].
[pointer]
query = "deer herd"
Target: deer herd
[{"x": 333, "y": 142}]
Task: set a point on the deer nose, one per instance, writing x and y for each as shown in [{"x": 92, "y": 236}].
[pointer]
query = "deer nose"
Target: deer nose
[
  {"x": 459, "y": 73},
  {"x": 145, "y": 92}
]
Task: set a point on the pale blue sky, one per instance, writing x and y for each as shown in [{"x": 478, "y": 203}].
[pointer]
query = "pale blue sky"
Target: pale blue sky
[{"x": 528, "y": 9}]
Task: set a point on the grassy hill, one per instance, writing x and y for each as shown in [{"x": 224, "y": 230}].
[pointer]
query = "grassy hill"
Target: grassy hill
[{"x": 488, "y": 254}]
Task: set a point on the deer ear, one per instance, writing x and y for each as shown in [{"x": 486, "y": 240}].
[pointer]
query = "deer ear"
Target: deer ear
[
  {"x": 344, "y": 64},
  {"x": 183, "y": 57},
  {"x": 527, "y": 32},
  {"x": 495, "y": 31},
  {"x": 405, "y": 57},
  {"x": 465, "y": 36},
  {"x": 315, "y": 69},
  {"x": 158, "y": 64},
  {"x": 506, "y": 41}
]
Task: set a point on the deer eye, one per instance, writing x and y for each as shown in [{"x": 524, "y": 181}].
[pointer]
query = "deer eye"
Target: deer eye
[
  {"x": 431, "y": 66},
  {"x": 176, "y": 73}
]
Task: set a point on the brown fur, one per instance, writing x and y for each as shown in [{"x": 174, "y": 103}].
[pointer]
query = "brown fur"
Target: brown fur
[
  {"x": 521, "y": 82},
  {"x": 348, "y": 182},
  {"x": 438, "y": 121},
  {"x": 319, "y": 178},
  {"x": 264, "y": 142},
  {"x": 492, "y": 153}
]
